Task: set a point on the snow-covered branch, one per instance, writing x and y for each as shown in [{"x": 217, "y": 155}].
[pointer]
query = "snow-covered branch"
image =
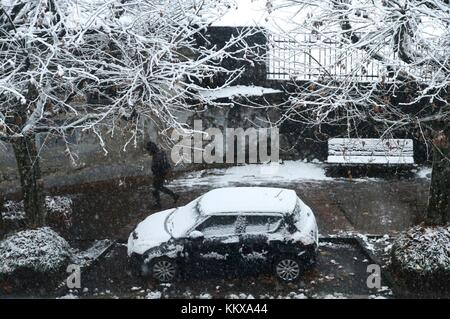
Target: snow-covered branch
[
  {"x": 69, "y": 65},
  {"x": 406, "y": 41}
]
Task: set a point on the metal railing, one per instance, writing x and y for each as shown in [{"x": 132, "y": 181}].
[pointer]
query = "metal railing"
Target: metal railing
[{"x": 305, "y": 57}]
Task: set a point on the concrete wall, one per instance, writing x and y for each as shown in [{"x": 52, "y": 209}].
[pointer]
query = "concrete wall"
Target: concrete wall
[
  {"x": 90, "y": 156},
  {"x": 86, "y": 150}
]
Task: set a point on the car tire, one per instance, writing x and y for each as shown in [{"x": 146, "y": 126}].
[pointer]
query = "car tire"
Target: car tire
[
  {"x": 164, "y": 269},
  {"x": 288, "y": 268}
]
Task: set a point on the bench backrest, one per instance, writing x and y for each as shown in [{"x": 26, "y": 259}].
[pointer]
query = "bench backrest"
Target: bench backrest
[{"x": 370, "y": 151}]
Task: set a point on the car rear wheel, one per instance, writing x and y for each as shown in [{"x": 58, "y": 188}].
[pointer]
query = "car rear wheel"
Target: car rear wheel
[
  {"x": 288, "y": 269},
  {"x": 164, "y": 269}
]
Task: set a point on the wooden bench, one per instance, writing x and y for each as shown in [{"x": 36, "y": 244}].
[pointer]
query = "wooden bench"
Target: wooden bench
[{"x": 366, "y": 152}]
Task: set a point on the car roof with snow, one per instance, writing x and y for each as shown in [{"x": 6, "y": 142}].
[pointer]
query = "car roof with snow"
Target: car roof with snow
[{"x": 235, "y": 200}]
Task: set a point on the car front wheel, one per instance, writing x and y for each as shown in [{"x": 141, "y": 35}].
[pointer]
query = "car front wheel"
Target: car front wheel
[
  {"x": 164, "y": 269},
  {"x": 287, "y": 269}
]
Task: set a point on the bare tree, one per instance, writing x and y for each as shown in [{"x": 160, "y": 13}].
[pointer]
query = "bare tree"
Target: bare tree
[
  {"x": 96, "y": 65},
  {"x": 408, "y": 43}
]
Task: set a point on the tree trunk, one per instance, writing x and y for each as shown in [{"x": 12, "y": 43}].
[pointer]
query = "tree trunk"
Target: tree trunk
[
  {"x": 439, "y": 198},
  {"x": 30, "y": 179}
]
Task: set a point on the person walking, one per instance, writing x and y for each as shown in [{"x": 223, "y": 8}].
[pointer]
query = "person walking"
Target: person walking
[{"x": 160, "y": 168}]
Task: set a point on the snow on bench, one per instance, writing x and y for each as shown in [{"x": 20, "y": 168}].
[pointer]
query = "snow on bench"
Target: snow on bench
[{"x": 370, "y": 151}]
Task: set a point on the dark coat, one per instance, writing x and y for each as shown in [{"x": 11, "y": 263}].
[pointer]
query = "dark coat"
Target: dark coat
[{"x": 160, "y": 164}]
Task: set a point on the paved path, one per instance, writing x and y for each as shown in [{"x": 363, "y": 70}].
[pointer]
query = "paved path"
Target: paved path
[
  {"x": 111, "y": 208},
  {"x": 341, "y": 272}
]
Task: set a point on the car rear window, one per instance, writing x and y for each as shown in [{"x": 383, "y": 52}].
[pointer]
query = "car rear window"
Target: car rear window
[{"x": 262, "y": 224}]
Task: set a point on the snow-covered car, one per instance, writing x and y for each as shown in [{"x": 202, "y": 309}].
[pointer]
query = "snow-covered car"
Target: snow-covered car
[{"x": 245, "y": 227}]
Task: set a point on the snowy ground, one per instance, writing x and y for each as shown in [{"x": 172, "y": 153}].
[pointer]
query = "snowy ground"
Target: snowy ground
[
  {"x": 368, "y": 206},
  {"x": 255, "y": 174},
  {"x": 340, "y": 273},
  {"x": 357, "y": 207}
]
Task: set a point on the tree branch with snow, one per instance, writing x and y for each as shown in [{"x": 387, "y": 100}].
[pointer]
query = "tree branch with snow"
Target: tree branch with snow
[{"x": 99, "y": 65}]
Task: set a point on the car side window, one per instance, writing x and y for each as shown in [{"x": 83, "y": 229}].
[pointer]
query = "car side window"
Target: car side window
[
  {"x": 262, "y": 224},
  {"x": 217, "y": 226}
]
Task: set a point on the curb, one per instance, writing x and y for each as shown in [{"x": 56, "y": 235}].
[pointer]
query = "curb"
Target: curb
[
  {"x": 62, "y": 286},
  {"x": 356, "y": 241}
]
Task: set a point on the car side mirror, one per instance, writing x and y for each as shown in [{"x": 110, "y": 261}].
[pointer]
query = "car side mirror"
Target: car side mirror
[{"x": 196, "y": 235}]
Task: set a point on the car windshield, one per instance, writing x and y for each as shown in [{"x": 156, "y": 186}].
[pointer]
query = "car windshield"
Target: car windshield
[{"x": 182, "y": 219}]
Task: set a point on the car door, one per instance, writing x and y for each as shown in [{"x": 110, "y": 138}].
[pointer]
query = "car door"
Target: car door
[
  {"x": 215, "y": 252},
  {"x": 255, "y": 241}
]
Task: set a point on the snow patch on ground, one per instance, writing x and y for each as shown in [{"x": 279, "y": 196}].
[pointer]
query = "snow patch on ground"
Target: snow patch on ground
[
  {"x": 205, "y": 296},
  {"x": 86, "y": 257},
  {"x": 154, "y": 295},
  {"x": 424, "y": 250},
  {"x": 288, "y": 172},
  {"x": 69, "y": 296},
  {"x": 237, "y": 90},
  {"x": 331, "y": 296},
  {"x": 293, "y": 295},
  {"x": 424, "y": 172},
  {"x": 41, "y": 250},
  {"x": 367, "y": 244},
  {"x": 240, "y": 296},
  {"x": 381, "y": 246}
]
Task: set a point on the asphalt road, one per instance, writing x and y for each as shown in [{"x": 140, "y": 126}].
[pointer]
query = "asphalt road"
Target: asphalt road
[{"x": 341, "y": 272}]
